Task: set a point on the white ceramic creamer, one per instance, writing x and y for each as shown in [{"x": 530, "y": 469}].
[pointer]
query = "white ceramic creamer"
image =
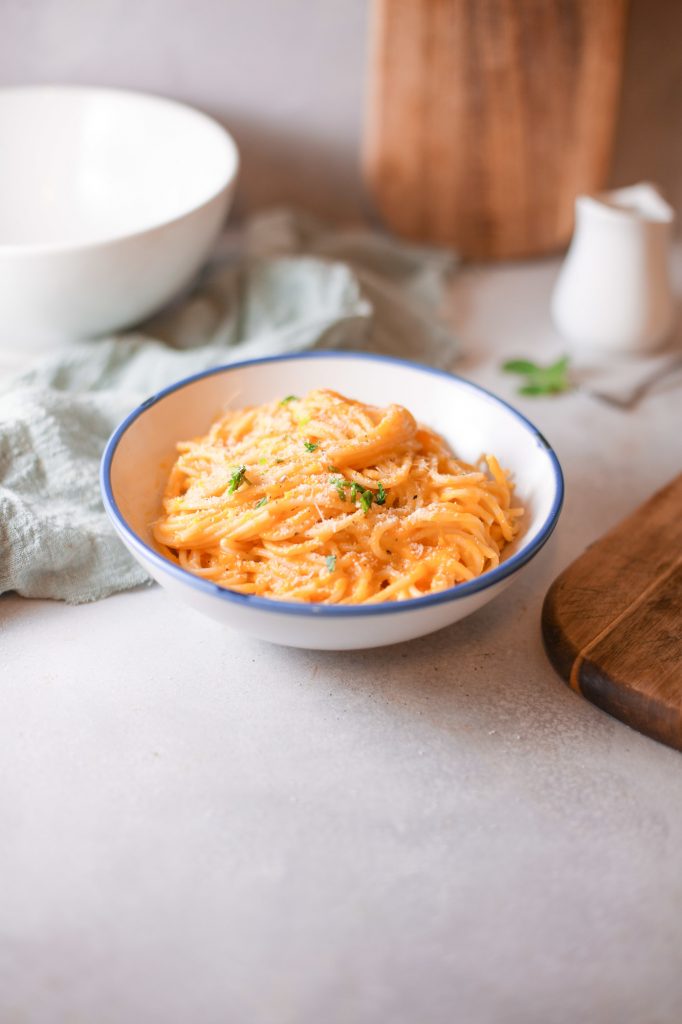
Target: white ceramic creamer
[{"x": 613, "y": 294}]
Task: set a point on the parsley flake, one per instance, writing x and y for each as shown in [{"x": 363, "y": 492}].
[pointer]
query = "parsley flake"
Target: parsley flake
[
  {"x": 367, "y": 496},
  {"x": 290, "y": 398},
  {"x": 261, "y": 502},
  {"x": 340, "y": 484},
  {"x": 366, "y": 500},
  {"x": 331, "y": 563},
  {"x": 237, "y": 478},
  {"x": 310, "y": 446}
]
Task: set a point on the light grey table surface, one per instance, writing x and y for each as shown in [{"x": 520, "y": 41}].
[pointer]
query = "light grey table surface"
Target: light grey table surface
[{"x": 199, "y": 827}]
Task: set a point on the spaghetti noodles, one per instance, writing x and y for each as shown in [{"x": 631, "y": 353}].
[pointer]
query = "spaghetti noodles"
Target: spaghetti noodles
[{"x": 326, "y": 499}]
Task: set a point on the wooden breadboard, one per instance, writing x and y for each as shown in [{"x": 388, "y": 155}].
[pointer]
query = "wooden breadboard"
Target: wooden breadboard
[
  {"x": 612, "y": 622},
  {"x": 485, "y": 119}
]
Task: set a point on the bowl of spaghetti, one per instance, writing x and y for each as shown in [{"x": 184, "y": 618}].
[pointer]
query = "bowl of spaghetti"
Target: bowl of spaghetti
[{"x": 331, "y": 500}]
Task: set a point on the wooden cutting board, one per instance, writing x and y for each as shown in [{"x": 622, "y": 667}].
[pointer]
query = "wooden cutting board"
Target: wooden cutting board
[
  {"x": 612, "y": 622},
  {"x": 486, "y": 118}
]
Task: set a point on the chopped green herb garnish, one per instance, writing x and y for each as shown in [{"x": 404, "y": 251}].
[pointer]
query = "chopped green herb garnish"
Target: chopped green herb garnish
[
  {"x": 366, "y": 500},
  {"x": 290, "y": 398},
  {"x": 367, "y": 496},
  {"x": 261, "y": 502},
  {"x": 310, "y": 446},
  {"x": 339, "y": 484},
  {"x": 540, "y": 380},
  {"x": 331, "y": 563},
  {"x": 237, "y": 478}
]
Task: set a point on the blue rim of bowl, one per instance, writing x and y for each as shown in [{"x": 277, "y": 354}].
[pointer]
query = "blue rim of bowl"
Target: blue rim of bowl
[{"x": 456, "y": 593}]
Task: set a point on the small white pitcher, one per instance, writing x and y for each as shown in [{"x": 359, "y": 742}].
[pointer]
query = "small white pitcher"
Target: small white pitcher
[{"x": 614, "y": 294}]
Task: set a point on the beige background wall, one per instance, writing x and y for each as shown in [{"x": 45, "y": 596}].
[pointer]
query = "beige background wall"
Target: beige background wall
[{"x": 288, "y": 77}]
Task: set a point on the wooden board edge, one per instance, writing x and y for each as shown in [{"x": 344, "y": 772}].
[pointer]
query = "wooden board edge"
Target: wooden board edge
[
  {"x": 562, "y": 654},
  {"x": 629, "y": 706}
]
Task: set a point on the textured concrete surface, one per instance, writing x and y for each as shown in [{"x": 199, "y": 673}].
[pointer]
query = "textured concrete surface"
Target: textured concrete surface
[{"x": 195, "y": 826}]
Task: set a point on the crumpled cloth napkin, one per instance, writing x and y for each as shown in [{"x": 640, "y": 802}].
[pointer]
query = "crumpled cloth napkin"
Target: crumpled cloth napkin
[
  {"x": 623, "y": 381},
  {"x": 285, "y": 284}
]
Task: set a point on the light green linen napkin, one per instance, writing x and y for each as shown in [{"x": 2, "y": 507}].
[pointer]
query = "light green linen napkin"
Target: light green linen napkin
[{"x": 284, "y": 284}]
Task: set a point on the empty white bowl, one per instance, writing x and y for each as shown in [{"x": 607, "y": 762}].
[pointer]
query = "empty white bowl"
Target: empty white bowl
[
  {"x": 109, "y": 202},
  {"x": 140, "y": 453}
]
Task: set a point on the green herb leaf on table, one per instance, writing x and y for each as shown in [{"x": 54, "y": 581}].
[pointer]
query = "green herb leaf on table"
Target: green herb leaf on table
[
  {"x": 520, "y": 366},
  {"x": 533, "y": 389},
  {"x": 541, "y": 380}
]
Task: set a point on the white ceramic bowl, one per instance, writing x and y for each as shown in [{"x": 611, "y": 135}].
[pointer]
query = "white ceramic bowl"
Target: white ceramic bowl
[
  {"x": 109, "y": 202},
  {"x": 141, "y": 451}
]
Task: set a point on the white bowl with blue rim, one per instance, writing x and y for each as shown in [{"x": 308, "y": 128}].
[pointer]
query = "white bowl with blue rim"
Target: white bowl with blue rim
[{"x": 139, "y": 454}]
